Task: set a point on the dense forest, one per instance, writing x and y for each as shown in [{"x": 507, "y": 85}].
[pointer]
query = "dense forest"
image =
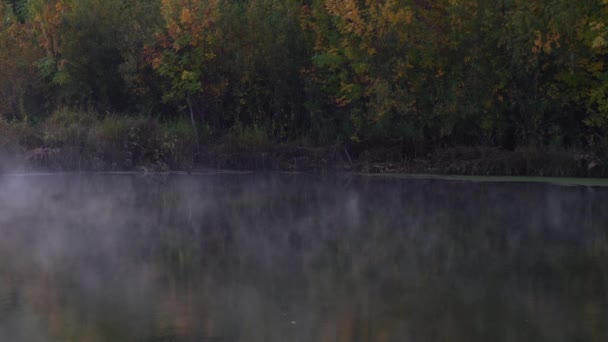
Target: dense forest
[{"x": 408, "y": 76}]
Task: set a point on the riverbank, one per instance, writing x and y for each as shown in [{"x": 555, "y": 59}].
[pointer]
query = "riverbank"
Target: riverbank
[
  {"x": 474, "y": 161},
  {"x": 82, "y": 141},
  {"x": 480, "y": 161}
]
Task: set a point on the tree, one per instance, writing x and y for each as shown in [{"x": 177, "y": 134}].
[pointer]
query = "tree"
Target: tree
[
  {"x": 184, "y": 51},
  {"x": 18, "y": 56}
]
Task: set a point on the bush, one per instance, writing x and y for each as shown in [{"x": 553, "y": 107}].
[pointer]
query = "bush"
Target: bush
[
  {"x": 248, "y": 139},
  {"x": 8, "y": 141},
  {"x": 81, "y": 140},
  {"x": 548, "y": 162},
  {"x": 125, "y": 142},
  {"x": 114, "y": 142},
  {"x": 15, "y": 138},
  {"x": 178, "y": 146},
  {"x": 68, "y": 128}
]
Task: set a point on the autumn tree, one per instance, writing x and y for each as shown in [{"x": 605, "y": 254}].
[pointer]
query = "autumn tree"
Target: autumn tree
[
  {"x": 415, "y": 74},
  {"x": 184, "y": 51},
  {"x": 19, "y": 54},
  {"x": 374, "y": 58}
]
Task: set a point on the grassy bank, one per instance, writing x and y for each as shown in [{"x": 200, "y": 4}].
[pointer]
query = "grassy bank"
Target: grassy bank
[{"x": 81, "y": 140}]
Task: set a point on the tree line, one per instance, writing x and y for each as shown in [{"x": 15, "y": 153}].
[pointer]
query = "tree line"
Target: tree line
[{"x": 421, "y": 74}]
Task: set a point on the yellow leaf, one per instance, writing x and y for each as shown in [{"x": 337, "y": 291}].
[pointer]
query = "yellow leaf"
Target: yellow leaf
[
  {"x": 598, "y": 42},
  {"x": 186, "y": 17}
]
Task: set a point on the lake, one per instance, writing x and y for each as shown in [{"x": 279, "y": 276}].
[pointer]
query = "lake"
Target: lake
[{"x": 297, "y": 257}]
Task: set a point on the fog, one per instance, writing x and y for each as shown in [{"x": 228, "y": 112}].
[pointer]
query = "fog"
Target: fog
[{"x": 281, "y": 257}]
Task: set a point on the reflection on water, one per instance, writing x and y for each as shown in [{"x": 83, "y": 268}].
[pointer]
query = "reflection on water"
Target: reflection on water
[{"x": 300, "y": 258}]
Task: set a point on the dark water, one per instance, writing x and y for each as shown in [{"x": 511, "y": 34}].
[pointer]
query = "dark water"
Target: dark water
[{"x": 300, "y": 258}]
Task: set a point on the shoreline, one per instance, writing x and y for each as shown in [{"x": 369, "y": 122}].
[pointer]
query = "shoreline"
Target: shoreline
[
  {"x": 559, "y": 181},
  {"x": 453, "y": 162}
]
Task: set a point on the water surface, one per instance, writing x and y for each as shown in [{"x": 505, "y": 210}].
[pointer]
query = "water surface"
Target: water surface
[{"x": 276, "y": 257}]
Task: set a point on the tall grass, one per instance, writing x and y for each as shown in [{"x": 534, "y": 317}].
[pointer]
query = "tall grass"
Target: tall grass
[
  {"x": 83, "y": 140},
  {"x": 72, "y": 139}
]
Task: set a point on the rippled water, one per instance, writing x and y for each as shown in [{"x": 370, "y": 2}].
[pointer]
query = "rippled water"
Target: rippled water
[{"x": 275, "y": 257}]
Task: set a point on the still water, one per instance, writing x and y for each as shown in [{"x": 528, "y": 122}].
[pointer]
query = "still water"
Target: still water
[{"x": 278, "y": 257}]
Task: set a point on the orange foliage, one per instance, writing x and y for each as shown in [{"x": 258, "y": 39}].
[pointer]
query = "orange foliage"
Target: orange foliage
[
  {"x": 47, "y": 22},
  {"x": 188, "y": 22}
]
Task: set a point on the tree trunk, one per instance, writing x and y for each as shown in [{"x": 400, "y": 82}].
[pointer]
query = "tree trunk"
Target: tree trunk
[{"x": 192, "y": 120}]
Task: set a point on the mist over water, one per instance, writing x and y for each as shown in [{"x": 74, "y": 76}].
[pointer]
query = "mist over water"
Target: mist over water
[{"x": 276, "y": 257}]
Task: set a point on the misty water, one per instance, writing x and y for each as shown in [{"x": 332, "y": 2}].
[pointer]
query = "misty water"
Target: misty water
[{"x": 280, "y": 257}]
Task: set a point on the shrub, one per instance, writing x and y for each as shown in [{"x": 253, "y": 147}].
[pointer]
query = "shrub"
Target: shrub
[
  {"x": 178, "y": 146},
  {"x": 114, "y": 142},
  {"x": 8, "y": 141},
  {"x": 68, "y": 128},
  {"x": 248, "y": 139}
]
